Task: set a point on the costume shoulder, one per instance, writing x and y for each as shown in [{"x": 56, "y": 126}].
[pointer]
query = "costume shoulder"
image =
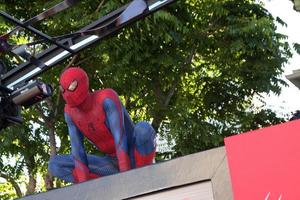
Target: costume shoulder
[
  {"x": 101, "y": 95},
  {"x": 67, "y": 109},
  {"x": 108, "y": 91}
]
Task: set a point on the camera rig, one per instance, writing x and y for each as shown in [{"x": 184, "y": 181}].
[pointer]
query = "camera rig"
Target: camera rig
[{"x": 19, "y": 86}]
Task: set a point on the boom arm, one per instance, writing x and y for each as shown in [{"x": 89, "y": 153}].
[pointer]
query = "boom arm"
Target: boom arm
[
  {"x": 17, "y": 87},
  {"x": 100, "y": 29}
]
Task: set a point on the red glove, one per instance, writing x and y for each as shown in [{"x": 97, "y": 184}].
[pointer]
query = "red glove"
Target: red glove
[
  {"x": 124, "y": 161},
  {"x": 82, "y": 173}
]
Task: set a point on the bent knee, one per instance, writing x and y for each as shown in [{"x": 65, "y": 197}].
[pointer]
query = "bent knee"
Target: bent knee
[
  {"x": 144, "y": 133},
  {"x": 53, "y": 166}
]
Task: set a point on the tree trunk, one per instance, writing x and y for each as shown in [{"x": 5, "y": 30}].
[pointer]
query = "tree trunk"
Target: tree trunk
[
  {"x": 164, "y": 98},
  {"x": 31, "y": 167},
  {"x": 31, "y": 185},
  {"x": 49, "y": 122},
  {"x": 52, "y": 140},
  {"x": 48, "y": 179},
  {"x": 156, "y": 122}
]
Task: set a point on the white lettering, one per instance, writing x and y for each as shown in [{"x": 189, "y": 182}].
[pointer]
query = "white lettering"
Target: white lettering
[{"x": 269, "y": 194}]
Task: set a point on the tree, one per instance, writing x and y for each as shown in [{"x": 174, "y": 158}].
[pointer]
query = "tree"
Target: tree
[
  {"x": 17, "y": 148},
  {"x": 191, "y": 69},
  {"x": 196, "y": 66}
]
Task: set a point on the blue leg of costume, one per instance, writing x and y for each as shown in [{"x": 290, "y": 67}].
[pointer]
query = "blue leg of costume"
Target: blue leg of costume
[
  {"x": 135, "y": 147},
  {"x": 62, "y": 166},
  {"x": 145, "y": 145},
  {"x": 137, "y": 142}
]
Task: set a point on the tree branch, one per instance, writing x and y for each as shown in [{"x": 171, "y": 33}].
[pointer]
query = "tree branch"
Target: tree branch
[
  {"x": 57, "y": 103},
  {"x": 49, "y": 104},
  {"x": 13, "y": 183},
  {"x": 158, "y": 91},
  {"x": 177, "y": 79},
  {"x": 37, "y": 121},
  {"x": 99, "y": 6},
  {"x": 163, "y": 99},
  {"x": 41, "y": 112},
  {"x": 72, "y": 61},
  {"x": 47, "y": 120},
  {"x": 83, "y": 60}
]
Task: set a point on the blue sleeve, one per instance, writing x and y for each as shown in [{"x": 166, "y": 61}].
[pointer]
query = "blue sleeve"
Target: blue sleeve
[
  {"x": 114, "y": 121},
  {"x": 76, "y": 138}
]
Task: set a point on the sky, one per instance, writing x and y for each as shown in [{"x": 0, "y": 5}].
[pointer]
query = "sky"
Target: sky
[{"x": 288, "y": 101}]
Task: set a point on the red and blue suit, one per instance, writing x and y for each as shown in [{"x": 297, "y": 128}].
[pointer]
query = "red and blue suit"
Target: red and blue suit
[{"x": 101, "y": 118}]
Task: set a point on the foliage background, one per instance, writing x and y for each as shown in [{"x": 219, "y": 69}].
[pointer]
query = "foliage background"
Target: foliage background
[{"x": 192, "y": 69}]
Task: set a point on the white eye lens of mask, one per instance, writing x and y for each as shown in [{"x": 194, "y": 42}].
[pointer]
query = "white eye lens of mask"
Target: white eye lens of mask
[{"x": 73, "y": 86}]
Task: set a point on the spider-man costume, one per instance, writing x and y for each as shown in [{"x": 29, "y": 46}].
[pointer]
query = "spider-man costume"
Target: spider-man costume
[{"x": 100, "y": 117}]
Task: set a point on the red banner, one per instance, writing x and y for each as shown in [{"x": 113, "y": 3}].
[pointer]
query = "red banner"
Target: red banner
[{"x": 265, "y": 164}]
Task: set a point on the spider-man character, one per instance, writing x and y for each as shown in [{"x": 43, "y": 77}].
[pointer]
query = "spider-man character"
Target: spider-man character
[{"x": 104, "y": 121}]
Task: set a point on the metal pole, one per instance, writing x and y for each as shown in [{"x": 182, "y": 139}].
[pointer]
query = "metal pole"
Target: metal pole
[{"x": 35, "y": 31}]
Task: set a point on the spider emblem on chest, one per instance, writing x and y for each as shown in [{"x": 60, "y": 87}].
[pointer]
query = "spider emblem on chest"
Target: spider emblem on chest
[{"x": 91, "y": 127}]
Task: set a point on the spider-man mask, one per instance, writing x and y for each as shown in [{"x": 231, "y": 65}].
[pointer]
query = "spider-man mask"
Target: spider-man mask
[{"x": 74, "y": 86}]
